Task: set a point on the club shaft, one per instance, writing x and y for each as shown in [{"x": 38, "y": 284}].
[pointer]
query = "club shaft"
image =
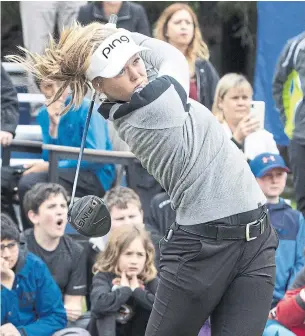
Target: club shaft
[{"x": 82, "y": 147}]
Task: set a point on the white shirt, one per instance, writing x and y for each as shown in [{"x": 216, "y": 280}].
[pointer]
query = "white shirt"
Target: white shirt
[{"x": 256, "y": 143}]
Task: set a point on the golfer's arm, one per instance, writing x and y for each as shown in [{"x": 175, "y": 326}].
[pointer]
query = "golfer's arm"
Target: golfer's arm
[{"x": 168, "y": 60}]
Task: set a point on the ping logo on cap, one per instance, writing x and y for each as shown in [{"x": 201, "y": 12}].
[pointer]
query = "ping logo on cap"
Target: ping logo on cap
[{"x": 122, "y": 39}]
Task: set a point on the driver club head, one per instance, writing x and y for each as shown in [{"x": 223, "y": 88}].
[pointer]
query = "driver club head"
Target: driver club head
[{"x": 90, "y": 216}]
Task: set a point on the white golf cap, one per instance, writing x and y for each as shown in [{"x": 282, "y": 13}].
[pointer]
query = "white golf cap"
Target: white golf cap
[{"x": 112, "y": 55}]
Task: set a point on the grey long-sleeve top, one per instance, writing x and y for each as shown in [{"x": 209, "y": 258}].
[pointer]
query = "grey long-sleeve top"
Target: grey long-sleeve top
[{"x": 182, "y": 144}]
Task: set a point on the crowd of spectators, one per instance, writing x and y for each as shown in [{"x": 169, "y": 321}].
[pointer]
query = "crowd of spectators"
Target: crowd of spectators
[{"x": 56, "y": 283}]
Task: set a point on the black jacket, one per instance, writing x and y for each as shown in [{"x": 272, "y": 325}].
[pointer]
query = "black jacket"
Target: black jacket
[
  {"x": 105, "y": 303},
  {"x": 131, "y": 16},
  {"x": 161, "y": 216},
  {"x": 206, "y": 80},
  {"x": 9, "y": 104}
]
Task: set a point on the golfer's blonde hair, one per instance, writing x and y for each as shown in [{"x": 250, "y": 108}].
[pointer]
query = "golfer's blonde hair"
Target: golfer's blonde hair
[
  {"x": 227, "y": 82},
  {"x": 66, "y": 62},
  {"x": 119, "y": 240},
  {"x": 197, "y": 47}
]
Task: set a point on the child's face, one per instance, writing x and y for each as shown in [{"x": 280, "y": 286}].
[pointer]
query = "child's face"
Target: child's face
[
  {"x": 51, "y": 219},
  {"x": 131, "y": 215},
  {"x": 273, "y": 182},
  {"x": 49, "y": 89},
  {"x": 132, "y": 260}
]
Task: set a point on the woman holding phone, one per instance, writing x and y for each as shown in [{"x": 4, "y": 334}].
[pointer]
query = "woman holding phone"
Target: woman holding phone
[{"x": 232, "y": 108}]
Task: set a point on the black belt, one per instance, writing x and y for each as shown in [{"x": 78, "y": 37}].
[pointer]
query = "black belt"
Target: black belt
[{"x": 249, "y": 231}]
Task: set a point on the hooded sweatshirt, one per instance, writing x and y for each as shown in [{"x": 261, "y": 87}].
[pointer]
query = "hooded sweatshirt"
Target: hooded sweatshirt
[{"x": 289, "y": 257}]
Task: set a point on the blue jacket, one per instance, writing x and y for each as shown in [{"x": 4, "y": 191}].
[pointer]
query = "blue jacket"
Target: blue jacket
[
  {"x": 70, "y": 133},
  {"x": 289, "y": 258},
  {"x": 34, "y": 304}
]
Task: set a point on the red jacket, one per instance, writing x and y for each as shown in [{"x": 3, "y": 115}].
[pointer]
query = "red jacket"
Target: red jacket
[{"x": 290, "y": 311}]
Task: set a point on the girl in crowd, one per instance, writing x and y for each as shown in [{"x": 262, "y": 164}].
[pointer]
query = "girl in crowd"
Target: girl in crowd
[
  {"x": 232, "y": 107},
  {"x": 217, "y": 259},
  {"x": 178, "y": 25},
  {"x": 125, "y": 283}
]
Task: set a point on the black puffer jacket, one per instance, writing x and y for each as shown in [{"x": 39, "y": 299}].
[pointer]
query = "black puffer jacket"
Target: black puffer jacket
[
  {"x": 206, "y": 80},
  {"x": 131, "y": 16},
  {"x": 9, "y": 104}
]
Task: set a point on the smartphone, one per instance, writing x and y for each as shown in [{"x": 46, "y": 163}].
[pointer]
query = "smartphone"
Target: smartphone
[{"x": 258, "y": 112}]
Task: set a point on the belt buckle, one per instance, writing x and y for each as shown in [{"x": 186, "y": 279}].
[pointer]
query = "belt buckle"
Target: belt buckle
[
  {"x": 262, "y": 228},
  {"x": 248, "y": 238}
]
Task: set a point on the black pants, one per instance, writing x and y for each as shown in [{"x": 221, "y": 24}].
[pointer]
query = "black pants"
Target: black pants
[
  {"x": 87, "y": 184},
  {"x": 231, "y": 281},
  {"x": 297, "y": 164}
]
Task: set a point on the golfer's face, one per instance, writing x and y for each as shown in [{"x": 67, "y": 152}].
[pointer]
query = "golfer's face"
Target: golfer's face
[{"x": 132, "y": 77}]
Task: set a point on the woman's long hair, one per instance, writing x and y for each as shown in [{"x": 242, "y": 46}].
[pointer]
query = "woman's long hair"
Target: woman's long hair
[
  {"x": 119, "y": 240},
  {"x": 67, "y": 61},
  {"x": 197, "y": 48},
  {"x": 228, "y": 81}
]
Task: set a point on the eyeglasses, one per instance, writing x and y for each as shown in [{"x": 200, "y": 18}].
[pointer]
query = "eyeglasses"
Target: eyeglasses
[{"x": 10, "y": 246}]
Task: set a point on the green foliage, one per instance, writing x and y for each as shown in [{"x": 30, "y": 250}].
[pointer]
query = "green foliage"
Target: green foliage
[
  {"x": 228, "y": 9},
  {"x": 214, "y": 12},
  {"x": 10, "y": 10},
  {"x": 245, "y": 12},
  {"x": 155, "y": 8}
]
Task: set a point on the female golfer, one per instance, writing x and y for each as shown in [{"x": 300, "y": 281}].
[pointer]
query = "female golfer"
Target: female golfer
[{"x": 217, "y": 259}]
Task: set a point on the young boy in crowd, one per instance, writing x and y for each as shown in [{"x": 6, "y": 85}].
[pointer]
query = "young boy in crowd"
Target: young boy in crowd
[
  {"x": 67, "y": 130},
  {"x": 271, "y": 174},
  {"x": 31, "y": 302},
  {"x": 125, "y": 208},
  {"x": 46, "y": 207}
]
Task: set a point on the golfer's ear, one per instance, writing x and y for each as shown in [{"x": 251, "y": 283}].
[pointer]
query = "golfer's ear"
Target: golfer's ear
[{"x": 97, "y": 84}]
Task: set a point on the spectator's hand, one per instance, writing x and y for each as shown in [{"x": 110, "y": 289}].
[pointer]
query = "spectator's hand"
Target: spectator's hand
[
  {"x": 302, "y": 294},
  {"x": 245, "y": 127},
  {"x": 37, "y": 167},
  {"x": 54, "y": 111},
  {"x": 6, "y": 138},
  {"x": 9, "y": 330},
  {"x": 73, "y": 314},
  {"x": 7, "y": 274},
  {"x": 272, "y": 314},
  {"x": 134, "y": 282},
  {"x": 124, "y": 280},
  {"x": 116, "y": 282}
]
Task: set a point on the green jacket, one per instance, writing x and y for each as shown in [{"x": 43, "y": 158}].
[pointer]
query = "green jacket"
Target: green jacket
[{"x": 288, "y": 88}]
